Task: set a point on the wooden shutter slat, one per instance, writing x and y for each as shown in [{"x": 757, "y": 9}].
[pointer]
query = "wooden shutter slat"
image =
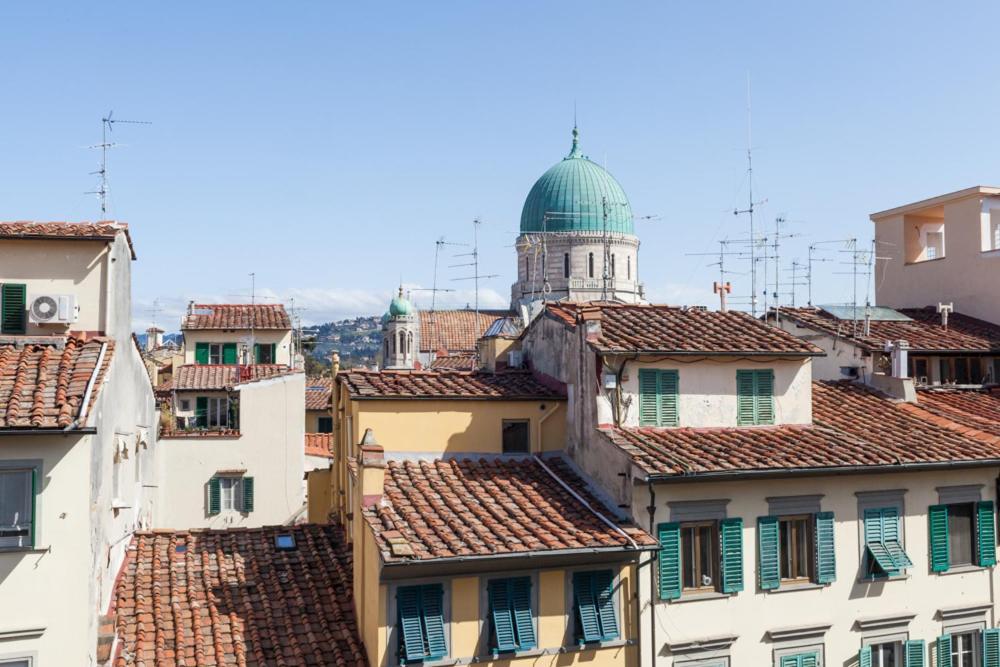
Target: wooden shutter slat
[
  {"x": 991, "y": 647},
  {"x": 745, "y": 398},
  {"x": 669, "y": 560},
  {"x": 604, "y": 588},
  {"x": 520, "y": 599},
  {"x": 500, "y": 612},
  {"x": 937, "y": 520},
  {"x": 826, "y": 552},
  {"x": 408, "y": 609},
  {"x": 769, "y": 550},
  {"x": 433, "y": 616},
  {"x": 865, "y": 657},
  {"x": 669, "y": 395},
  {"x": 13, "y": 308},
  {"x": 648, "y": 402},
  {"x": 913, "y": 653},
  {"x": 731, "y": 538},
  {"x": 586, "y": 607},
  {"x": 248, "y": 494},
  {"x": 214, "y": 496},
  {"x": 986, "y": 540},
  {"x": 944, "y": 651},
  {"x": 764, "y": 396}
]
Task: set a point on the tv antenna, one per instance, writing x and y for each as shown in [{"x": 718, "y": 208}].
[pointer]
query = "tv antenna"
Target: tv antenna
[
  {"x": 813, "y": 249},
  {"x": 440, "y": 243},
  {"x": 476, "y": 276},
  {"x": 751, "y": 207},
  {"x": 775, "y": 246},
  {"x": 107, "y": 126}
]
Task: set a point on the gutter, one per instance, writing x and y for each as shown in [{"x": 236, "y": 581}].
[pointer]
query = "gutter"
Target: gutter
[
  {"x": 47, "y": 431},
  {"x": 817, "y": 472},
  {"x": 713, "y": 353},
  {"x": 533, "y": 399},
  {"x": 82, "y": 417},
  {"x": 523, "y": 555}
]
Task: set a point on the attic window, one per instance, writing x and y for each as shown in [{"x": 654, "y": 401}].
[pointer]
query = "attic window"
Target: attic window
[{"x": 284, "y": 542}]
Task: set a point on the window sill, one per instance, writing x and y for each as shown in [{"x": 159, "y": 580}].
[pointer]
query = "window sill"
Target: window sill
[
  {"x": 879, "y": 580},
  {"x": 700, "y": 597},
  {"x": 530, "y": 653},
  {"x": 963, "y": 569},
  {"x": 24, "y": 550},
  {"x": 925, "y": 261},
  {"x": 791, "y": 588}
]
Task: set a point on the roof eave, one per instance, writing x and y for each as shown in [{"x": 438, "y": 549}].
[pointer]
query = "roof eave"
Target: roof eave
[
  {"x": 691, "y": 353},
  {"x": 88, "y": 430},
  {"x": 356, "y": 397},
  {"x": 724, "y": 475},
  {"x": 976, "y": 190}
]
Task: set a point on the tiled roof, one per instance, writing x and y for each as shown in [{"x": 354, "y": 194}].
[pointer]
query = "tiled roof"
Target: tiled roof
[
  {"x": 852, "y": 427},
  {"x": 43, "y": 386},
  {"x": 979, "y": 409},
  {"x": 446, "y": 384},
  {"x": 225, "y": 376},
  {"x": 236, "y": 316},
  {"x": 458, "y": 362},
  {"x": 103, "y": 230},
  {"x": 455, "y": 330},
  {"x": 229, "y": 597},
  {"x": 466, "y": 507},
  {"x": 924, "y": 332},
  {"x": 319, "y": 391},
  {"x": 672, "y": 330},
  {"x": 319, "y": 444}
]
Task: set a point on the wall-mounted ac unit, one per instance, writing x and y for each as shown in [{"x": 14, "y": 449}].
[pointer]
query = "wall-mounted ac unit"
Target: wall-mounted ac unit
[{"x": 53, "y": 309}]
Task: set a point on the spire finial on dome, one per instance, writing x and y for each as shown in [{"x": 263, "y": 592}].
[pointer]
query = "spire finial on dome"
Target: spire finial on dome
[{"x": 575, "y": 151}]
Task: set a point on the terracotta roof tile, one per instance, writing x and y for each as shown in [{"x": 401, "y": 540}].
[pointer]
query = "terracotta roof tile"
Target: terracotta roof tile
[
  {"x": 103, "y": 230},
  {"x": 43, "y": 385},
  {"x": 225, "y": 376},
  {"x": 458, "y": 362},
  {"x": 924, "y": 332},
  {"x": 446, "y": 384},
  {"x": 467, "y": 507},
  {"x": 979, "y": 409},
  {"x": 852, "y": 426},
  {"x": 319, "y": 444},
  {"x": 319, "y": 392},
  {"x": 229, "y": 597},
  {"x": 672, "y": 330},
  {"x": 455, "y": 330},
  {"x": 236, "y": 316}
]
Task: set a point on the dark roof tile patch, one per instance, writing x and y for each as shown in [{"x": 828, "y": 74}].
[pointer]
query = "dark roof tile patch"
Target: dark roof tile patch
[
  {"x": 235, "y": 316},
  {"x": 103, "y": 230},
  {"x": 979, "y": 409},
  {"x": 223, "y": 377},
  {"x": 319, "y": 393},
  {"x": 455, "y": 330},
  {"x": 446, "y": 384}
]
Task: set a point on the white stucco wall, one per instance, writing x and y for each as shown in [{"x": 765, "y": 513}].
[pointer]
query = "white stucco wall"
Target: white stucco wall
[
  {"x": 282, "y": 340},
  {"x": 839, "y": 353}
]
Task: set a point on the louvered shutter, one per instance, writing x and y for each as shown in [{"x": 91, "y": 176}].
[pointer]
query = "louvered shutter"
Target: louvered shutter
[
  {"x": 604, "y": 589},
  {"x": 669, "y": 396},
  {"x": 589, "y": 629},
  {"x": 944, "y": 651},
  {"x": 991, "y": 648},
  {"x": 745, "y": 398},
  {"x": 408, "y": 602},
  {"x": 890, "y": 532},
  {"x": 648, "y": 398},
  {"x": 937, "y": 519},
  {"x": 13, "y": 304},
  {"x": 34, "y": 506},
  {"x": 201, "y": 353},
  {"x": 809, "y": 660},
  {"x": 247, "y": 494},
  {"x": 791, "y": 661},
  {"x": 986, "y": 541},
  {"x": 229, "y": 353},
  {"x": 865, "y": 657},
  {"x": 731, "y": 538},
  {"x": 764, "y": 395},
  {"x": 214, "y": 496},
  {"x": 201, "y": 411},
  {"x": 433, "y": 616},
  {"x": 503, "y": 619},
  {"x": 520, "y": 598},
  {"x": 913, "y": 653},
  {"x": 768, "y": 546},
  {"x": 669, "y": 561},
  {"x": 826, "y": 551}
]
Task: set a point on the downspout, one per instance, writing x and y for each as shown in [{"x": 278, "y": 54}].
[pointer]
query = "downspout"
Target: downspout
[
  {"x": 81, "y": 419},
  {"x": 652, "y": 580}
]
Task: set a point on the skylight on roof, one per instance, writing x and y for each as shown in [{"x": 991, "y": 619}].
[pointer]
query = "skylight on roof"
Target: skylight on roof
[
  {"x": 284, "y": 542},
  {"x": 875, "y": 313}
]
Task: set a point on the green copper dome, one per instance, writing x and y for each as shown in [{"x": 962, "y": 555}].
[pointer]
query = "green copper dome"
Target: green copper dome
[
  {"x": 571, "y": 196},
  {"x": 400, "y": 306}
]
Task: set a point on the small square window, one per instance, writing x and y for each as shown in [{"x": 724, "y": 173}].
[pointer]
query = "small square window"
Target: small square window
[
  {"x": 325, "y": 425},
  {"x": 185, "y": 404},
  {"x": 215, "y": 353},
  {"x": 516, "y": 438},
  {"x": 284, "y": 542}
]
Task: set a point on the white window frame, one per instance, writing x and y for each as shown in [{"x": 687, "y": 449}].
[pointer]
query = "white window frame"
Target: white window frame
[
  {"x": 215, "y": 353},
  {"x": 24, "y": 541},
  {"x": 976, "y": 637},
  {"x": 233, "y": 485},
  {"x": 219, "y": 406}
]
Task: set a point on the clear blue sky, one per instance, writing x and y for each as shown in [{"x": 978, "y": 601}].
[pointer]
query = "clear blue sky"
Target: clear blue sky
[{"x": 325, "y": 146}]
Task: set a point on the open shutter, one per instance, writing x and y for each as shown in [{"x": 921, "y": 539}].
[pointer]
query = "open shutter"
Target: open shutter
[
  {"x": 500, "y": 613},
  {"x": 34, "y": 505},
  {"x": 826, "y": 553},
  {"x": 520, "y": 598},
  {"x": 433, "y": 615},
  {"x": 586, "y": 607},
  {"x": 768, "y": 542},
  {"x": 731, "y": 538},
  {"x": 201, "y": 411},
  {"x": 13, "y": 305},
  {"x": 248, "y": 494},
  {"x": 890, "y": 531},
  {"x": 648, "y": 399},
  {"x": 274, "y": 353},
  {"x": 865, "y": 657},
  {"x": 986, "y": 541},
  {"x": 201, "y": 353},
  {"x": 991, "y": 648},
  {"x": 764, "y": 392},
  {"x": 669, "y": 390},
  {"x": 214, "y": 496},
  {"x": 745, "y": 398},
  {"x": 229, "y": 353},
  {"x": 944, "y": 651},
  {"x": 669, "y": 563},
  {"x": 913, "y": 653},
  {"x": 408, "y": 607},
  {"x": 937, "y": 519},
  {"x": 604, "y": 588}
]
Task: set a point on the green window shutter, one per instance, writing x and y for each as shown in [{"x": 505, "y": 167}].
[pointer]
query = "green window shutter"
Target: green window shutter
[
  {"x": 875, "y": 542},
  {"x": 991, "y": 648},
  {"x": 604, "y": 588},
  {"x": 501, "y": 615},
  {"x": 274, "y": 353},
  {"x": 34, "y": 505},
  {"x": 890, "y": 531},
  {"x": 408, "y": 603},
  {"x": 520, "y": 599},
  {"x": 214, "y": 496},
  {"x": 944, "y": 651},
  {"x": 669, "y": 564},
  {"x": 745, "y": 404},
  {"x": 791, "y": 661},
  {"x": 586, "y": 607},
  {"x": 648, "y": 400},
  {"x": 201, "y": 411},
  {"x": 248, "y": 494},
  {"x": 229, "y": 353},
  {"x": 669, "y": 390},
  {"x": 937, "y": 519},
  {"x": 986, "y": 540},
  {"x": 201, "y": 353},
  {"x": 764, "y": 393},
  {"x": 826, "y": 552},
  {"x": 768, "y": 546},
  {"x": 432, "y": 602},
  {"x": 809, "y": 660},
  {"x": 913, "y": 653},
  {"x": 13, "y": 308},
  {"x": 731, "y": 537},
  {"x": 865, "y": 657}
]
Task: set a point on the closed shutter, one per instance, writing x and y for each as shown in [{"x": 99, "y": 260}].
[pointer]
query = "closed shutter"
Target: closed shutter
[
  {"x": 809, "y": 660},
  {"x": 201, "y": 353},
  {"x": 201, "y": 411},
  {"x": 937, "y": 519},
  {"x": 865, "y": 657},
  {"x": 913, "y": 653},
  {"x": 604, "y": 588},
  {"x": 648, "y": 398},
  {"x": 229, "y": 353},
  {"x": 433, "y": 615},
  {"x": 248, "y": 494},
  {"x": 214, "y": 496},
  {"x": 768, "y": 546},
  {"x": 589, "y": 628},
  {"x": 791, "y": 661},
  {"x": 826, "y": 552},
  {"x": 34, "y": 506},
  {"x": 274, "y": 353},
  {"x": 520, "y": 599},
  {"x": 256, "y": 353},
  {"x": 500, "y": 614},
  {"x": 731, "y": 538},
  {"x": 745, "y": 412},
  {"x": 764, "y": 394},
  {"x": 991, "y": 648},
  {"x": 13, "y": 304},
  {"x": 986, "y": 540},
  {"x": 669, "y": 388},
  {"x": 669, "y": 561},
  {"x": 944, "y": 651},
  {"x": 408, "y": 607}
]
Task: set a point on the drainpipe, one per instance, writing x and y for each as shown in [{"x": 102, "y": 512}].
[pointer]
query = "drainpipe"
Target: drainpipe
[
  {"x": 652, "y": 579},
  {"x": 81, "y": 419}
]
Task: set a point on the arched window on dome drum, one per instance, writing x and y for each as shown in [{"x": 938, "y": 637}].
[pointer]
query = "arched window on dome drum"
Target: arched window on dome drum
[
  {"x": 409, "y": 344},
  {"x": 386, "y": 346},
  {"x": 566, "y": 265},
  {"x": 401, "y": 345},
  {"x": 590, "y": 265},
  {"x": 628, "y": 268},
  {"x": 612, "y": 266}
]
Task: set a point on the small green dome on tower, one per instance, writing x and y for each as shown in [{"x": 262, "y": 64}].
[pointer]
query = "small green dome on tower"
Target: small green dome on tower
[
  {"x": 571, "y": 196},
  {"x": 400, "y": 306}
]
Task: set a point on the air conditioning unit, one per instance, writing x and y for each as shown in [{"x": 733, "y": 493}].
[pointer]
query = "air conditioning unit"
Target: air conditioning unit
[{"x": 53, "y": 309}]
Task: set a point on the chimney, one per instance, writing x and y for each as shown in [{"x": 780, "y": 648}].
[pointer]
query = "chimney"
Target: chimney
[
  {"x": 154, "y": 338},
  {"x": 898, "y": 353},
  {"x": 897, "y": 384},
  {"x": 335, "y": 363},
  {"x": 371, "y": 458},
  {"x": 945, "y": 309},
  {"x": 592, "y": 322}
]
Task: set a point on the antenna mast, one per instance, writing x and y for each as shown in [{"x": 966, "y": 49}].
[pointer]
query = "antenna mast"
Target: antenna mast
[
  {"x": 474, "y": 263},
  {"x": 107, "y": 125},
  {"x": 751, "y": 207}
]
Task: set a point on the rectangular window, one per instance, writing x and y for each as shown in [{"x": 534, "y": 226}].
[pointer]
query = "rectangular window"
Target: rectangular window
[
  {"x": 935, "y": 245},
  {"x": 796, "y": 548},
  {"x": 185, "y": 404},
  {"x": 887, "y": 654},
  {"x": 516, "y": 437},
  {"x": 884, "y": 555},
  {"x": 658, "y": 397},
  {"x": 511, "y": 620},
  {"x": 201, "y": 353},
  {"x": 755, "y": 397},
  {"x": 966, "y": 649},
  {"x": 810, "y": 659},
  {"x": 920, "y": 369},
  {"x": 213, "y": 411},
  {"x": 16, "y": 662},
  {"x": 13, "y": 308},
  {"x": 995, "y": 234},
  {"x": 566, "y": 265},
  {"x": 420, "y": 619},
  {"x": 699, "y": 556},
  {"x": 961, "y": 534},
  {"x": 230, "y": 493},
  {"x": 17, "y": 507},
  {"x": 264, "y": 353},
  {"x": 325, "y": 424},
  {"x": 215, "y": 353},
  {"x": 594, "y": 606}
]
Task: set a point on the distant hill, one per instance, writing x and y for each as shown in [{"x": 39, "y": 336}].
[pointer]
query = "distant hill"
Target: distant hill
[
  {"x": 167, "y": 337},
  {"x": 357, "y": 340}
]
